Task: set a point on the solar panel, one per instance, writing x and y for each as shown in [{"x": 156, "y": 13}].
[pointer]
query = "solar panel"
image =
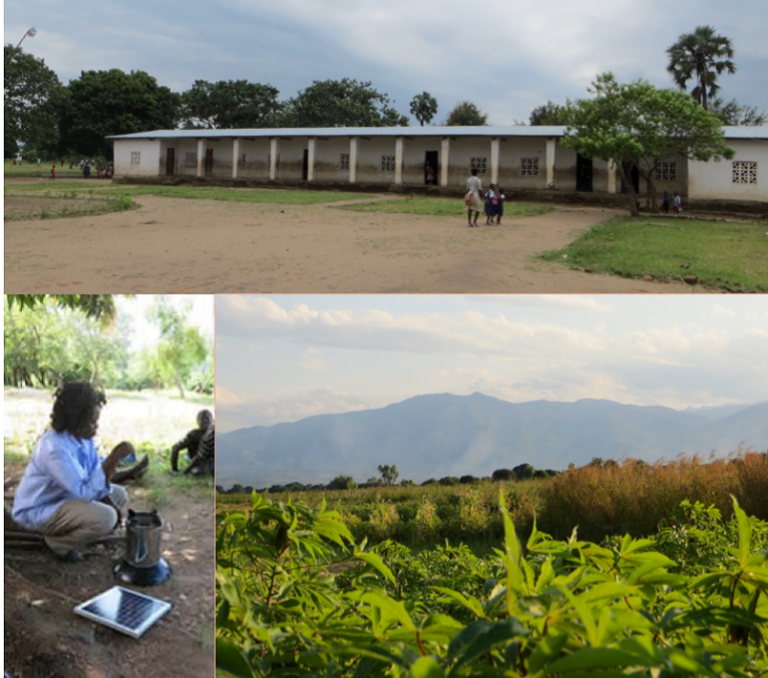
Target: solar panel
[{"x": 124, "y": 610}]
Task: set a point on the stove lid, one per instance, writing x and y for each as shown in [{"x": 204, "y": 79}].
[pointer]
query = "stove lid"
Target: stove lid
[{"x": 124, "y": 610}]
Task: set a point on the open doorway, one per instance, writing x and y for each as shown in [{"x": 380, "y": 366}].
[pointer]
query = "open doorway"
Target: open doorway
[
  {"x": 208, "y": 162},
  {"x": 430, "y": 167},
  {"x": 170, "y": 161},
  {"x": 583, "y": 173},
  {"x": 305, "y": 166}
]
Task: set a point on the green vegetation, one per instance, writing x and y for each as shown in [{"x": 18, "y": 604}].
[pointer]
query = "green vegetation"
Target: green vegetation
[
  {"x": 85, "y": 337},
  {"x": 720, "y": 253},
  {"x": 441, "y": 207},
  {"x": 42, "y": 171},
  {"x": 601, "y": 499},
  {"x": 273, "y": 196},
  {"x": 297, "y": 595},
  {"x": 57, "y": 205}
]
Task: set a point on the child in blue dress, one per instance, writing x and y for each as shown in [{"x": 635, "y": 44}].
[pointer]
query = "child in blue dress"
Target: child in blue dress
[{"x": 490, "y": 205}]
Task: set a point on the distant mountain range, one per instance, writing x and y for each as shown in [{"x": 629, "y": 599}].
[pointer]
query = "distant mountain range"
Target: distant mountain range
[{"x": 432, "y": 436}]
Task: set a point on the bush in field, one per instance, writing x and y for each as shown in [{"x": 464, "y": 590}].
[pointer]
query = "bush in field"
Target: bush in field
[
  {"x": 503, "y": 474},
  {"x": 342, "y": 483}
]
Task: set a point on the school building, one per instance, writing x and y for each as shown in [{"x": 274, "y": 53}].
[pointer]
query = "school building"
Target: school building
[{"x": 525, "y": 161}]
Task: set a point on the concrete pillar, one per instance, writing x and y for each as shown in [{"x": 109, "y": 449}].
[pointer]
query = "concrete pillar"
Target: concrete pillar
[
  {"x": 445, "y": 152},
  {"x": 399, "y": 160},
  {"x": 235, "y": 157},
  {"x": 353, "y": 160},
  {"x": 495, "y": 160},
  {"x": 311, "y": 158},
  {"x": 611, "y": 176},
  {"x": 200, "y": 157},
  {"x": 551, "y": 162},
  {"x": 273, "y": 158}
]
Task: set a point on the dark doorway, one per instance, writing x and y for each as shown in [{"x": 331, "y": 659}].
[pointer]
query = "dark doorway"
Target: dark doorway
[
  {"x": 305, "y": 165},
  {"x": 208, "y": 162},
  {"x": 583, "y": 173},
  {"x": 430, "y": 167},
  {"x": 170, "y": 161},
  {"x": 631, "y": 172}
]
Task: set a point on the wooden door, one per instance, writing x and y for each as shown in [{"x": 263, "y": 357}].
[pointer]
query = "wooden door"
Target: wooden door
[{"x": 208, "y": 162}]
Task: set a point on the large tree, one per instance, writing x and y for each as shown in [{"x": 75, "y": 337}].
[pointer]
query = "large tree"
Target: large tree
[
  {"x": 341, "y": 103},
  {"x": 547, "y": 114},
  {"x": 701, "y": 56},
  {"x": 104, "y": 103},
  {"x": 33, "y": 99},
  {"x": 466, "y": 113},
  {"x": 230, "y": 104},
  {"x": 424, "y": 107},
  {"x": 639, "y": 124}
]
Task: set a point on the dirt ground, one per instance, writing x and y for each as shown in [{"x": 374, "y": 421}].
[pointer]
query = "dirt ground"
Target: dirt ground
[
  {"x": 171, "y": 245},
  {"x": 44, "y": 638}
]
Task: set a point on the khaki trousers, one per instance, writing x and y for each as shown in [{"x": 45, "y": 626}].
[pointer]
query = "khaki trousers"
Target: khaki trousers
[{"x": 77, "y": 522}]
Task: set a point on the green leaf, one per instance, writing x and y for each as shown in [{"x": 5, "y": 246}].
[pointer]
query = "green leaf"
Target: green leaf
[
  {"x": 598, "y": 658},
  {"x": 231, "y": 661},
  {"x": 427, "y": 667},
  {"x": 479, "y": 637},
  {"x": 377, "y": 563}
]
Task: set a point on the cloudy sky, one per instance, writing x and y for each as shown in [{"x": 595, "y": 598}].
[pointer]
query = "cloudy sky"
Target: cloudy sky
[
  {"x": 507, "y": 56},
  {"x": 283, "y": 358}
]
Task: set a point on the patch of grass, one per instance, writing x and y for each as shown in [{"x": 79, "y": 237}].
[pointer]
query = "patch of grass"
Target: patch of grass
[
  {"x": 720, "y": 253},
  {"x": 32, "y": 169},
  {"x": 29, "y": 206},
  {"x": 441, "y": 207}
]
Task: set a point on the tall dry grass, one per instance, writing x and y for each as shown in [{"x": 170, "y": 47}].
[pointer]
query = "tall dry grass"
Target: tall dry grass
[{"x": 632, "y": 496}]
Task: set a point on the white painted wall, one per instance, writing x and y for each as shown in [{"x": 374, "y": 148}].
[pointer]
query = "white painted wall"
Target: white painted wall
[
  {"x": 714, "y": 180},
  {"x": 149, "y": 165},
  {"x": 369, "y": 152},
  {"x": 328, "y": 152}
]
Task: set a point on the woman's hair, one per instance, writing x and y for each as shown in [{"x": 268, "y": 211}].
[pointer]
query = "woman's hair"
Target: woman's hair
[{"x": 74, "y": 406}]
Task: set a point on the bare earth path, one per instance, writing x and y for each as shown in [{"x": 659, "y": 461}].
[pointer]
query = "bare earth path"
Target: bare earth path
[{"x": 172, "y": 245}]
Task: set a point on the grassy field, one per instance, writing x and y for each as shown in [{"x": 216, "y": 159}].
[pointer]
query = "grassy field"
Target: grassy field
[
  {"x": 53, "y": 204},
  {"x": 32, "y": 169},
  {"x": 613, "y": 499},
  {"x": 726, "y": 254},
  {"x": 441, "y": 207}
]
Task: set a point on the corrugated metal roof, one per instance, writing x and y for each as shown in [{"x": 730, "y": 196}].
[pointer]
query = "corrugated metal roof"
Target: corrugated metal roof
[{"x": 488, "y": 131}]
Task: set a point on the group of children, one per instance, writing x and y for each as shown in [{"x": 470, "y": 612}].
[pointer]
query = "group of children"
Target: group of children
[{"x": 494, "y": 205}]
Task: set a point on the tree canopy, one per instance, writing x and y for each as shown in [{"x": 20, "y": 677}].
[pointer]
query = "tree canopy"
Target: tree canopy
[
  {"x": 466, "y": 113},
  {"x": 701, "y": 56},
  {"x": 547, "y": 114},
  {"x": 233, "y": 104},
  {"x": 641, "y": 124},
  {"x": 341, "y": 103},
  {"x": 424, "y": 107},
  {"x": 733, "y": 113},
  {"x": 104, "y": 103},
  {"x": 33, "y": 96}
]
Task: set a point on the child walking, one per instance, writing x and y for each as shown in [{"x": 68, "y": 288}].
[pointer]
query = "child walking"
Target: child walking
[
  {"x": 490, "y": 205},
  {"x": 53, "y": 172}
]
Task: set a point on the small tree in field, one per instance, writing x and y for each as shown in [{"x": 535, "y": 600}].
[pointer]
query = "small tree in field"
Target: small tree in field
[
  {"x": 640, "y": 124},
  {"x": 389, "y": 474}
]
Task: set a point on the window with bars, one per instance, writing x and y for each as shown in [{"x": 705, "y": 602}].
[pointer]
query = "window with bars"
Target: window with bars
[
  {"x": 135, "y": 157},
  {"x": 190, "y": 159},
  {"x": 744, "y": 172},
  {"x": 666, "y": 171},
  {"x": 480, "y": 164},
  {"x": 529, "y": 167},
  {"x": 388, "y": 163},
  {"x": 345, "y": 161}
]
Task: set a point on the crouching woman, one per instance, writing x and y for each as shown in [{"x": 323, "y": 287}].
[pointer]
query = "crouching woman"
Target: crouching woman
[{"x": 65, "y": 492}]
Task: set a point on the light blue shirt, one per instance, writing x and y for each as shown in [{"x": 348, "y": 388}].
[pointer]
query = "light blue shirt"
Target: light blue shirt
[{"x": 62, "y": 467}]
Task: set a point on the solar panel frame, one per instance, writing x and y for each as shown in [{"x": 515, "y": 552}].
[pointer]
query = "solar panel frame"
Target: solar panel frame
[{"x": 124, "y": 610}]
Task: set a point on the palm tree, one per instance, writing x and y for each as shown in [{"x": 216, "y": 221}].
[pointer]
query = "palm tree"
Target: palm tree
[
  {"x": 424, "y": 107},
  {"x": 702, "y": 55}
]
